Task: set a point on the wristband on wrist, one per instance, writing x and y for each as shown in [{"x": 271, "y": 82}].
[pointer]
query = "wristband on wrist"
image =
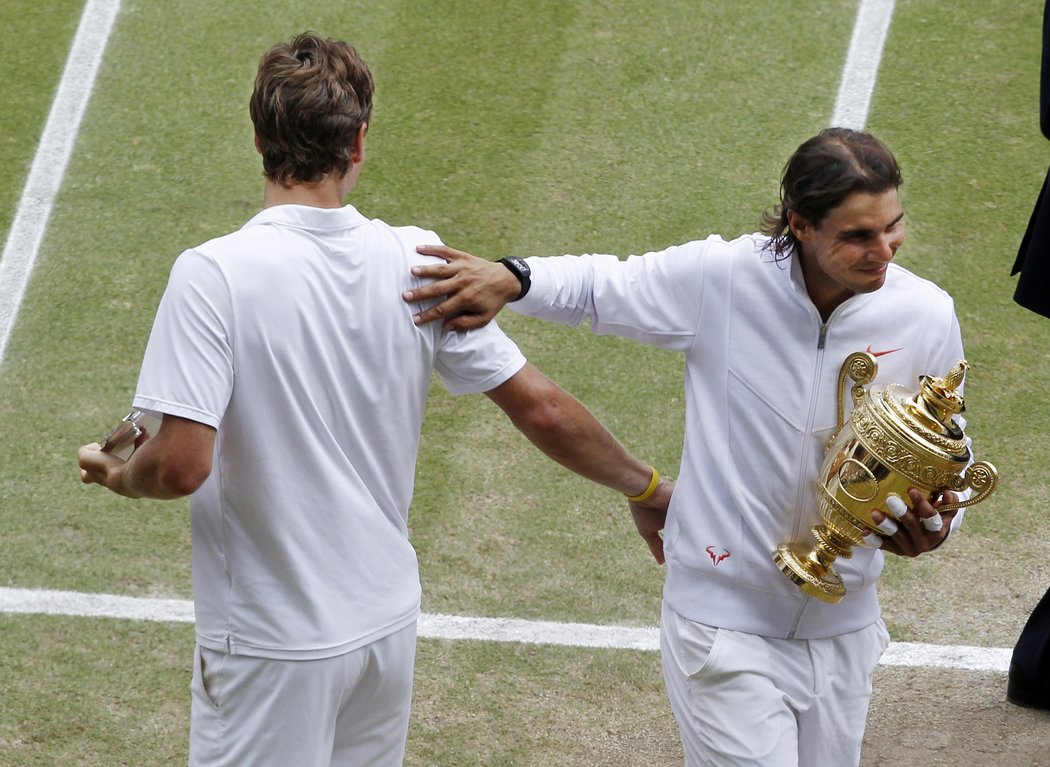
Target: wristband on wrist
[
  {"x": 521, "y": 270},
  {"x": 646, "y": 494}
]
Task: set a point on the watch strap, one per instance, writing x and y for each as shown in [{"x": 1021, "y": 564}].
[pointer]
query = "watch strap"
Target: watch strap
[{"x": 522, "y": 271}]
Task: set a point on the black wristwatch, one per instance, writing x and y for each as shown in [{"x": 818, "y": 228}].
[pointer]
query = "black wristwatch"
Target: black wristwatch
[{"x": 521, "y": 271}]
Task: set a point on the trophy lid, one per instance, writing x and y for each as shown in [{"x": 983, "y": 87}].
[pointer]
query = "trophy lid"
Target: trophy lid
[
  {"x": 926, "y": 418},
  {"x": 940, "y": 396}
]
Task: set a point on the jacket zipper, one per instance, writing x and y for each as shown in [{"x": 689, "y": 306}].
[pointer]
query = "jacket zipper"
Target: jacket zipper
[{"x": 796, "y": 532}]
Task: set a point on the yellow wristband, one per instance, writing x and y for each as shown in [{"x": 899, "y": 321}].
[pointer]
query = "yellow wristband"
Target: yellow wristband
[{"x": 647, "y": 493}]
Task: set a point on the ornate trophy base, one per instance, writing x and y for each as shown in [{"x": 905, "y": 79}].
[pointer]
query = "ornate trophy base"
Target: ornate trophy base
[{"x": 808, "y": 570}]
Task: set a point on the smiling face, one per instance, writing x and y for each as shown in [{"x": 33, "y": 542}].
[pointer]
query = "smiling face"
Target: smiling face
[{"x": 850, "y": 250}]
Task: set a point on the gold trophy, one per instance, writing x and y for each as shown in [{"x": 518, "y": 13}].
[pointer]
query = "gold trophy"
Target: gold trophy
[{"x": 894, "y": 440}]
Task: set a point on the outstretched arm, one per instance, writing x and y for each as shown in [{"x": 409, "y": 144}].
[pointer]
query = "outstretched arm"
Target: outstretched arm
[
  {"x": 474, "y": 289},
  {"x": 556, "y": 423}
]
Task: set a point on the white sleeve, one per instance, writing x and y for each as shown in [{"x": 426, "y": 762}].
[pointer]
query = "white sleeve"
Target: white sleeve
[
  {"x": 654, "y": 299},
  {"x": 187, "y": 369},
  {"x": 475, "y": 361},
  {"x": 467, "y": 362}
]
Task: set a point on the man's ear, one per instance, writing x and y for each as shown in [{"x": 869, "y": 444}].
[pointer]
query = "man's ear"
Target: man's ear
[
  {"x": 799, "y": 226},
  {"x": 358, "y": 152},
  {"x": 258, "y": 144}
]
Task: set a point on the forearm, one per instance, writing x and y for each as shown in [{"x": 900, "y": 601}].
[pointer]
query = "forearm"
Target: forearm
[
  {"x": 172, "y": 464},
  {"x": 564, "y": 430},
  {"x": 577, "y": 441},
  {"x": 145, "y": 476},
  {"x": 141, "y": 476}
]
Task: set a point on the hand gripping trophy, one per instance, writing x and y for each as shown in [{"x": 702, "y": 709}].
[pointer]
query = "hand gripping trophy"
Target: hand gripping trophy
[{"x": 894, "y": 440}]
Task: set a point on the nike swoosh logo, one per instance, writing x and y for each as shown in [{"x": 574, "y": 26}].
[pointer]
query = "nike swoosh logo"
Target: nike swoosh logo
[{"x": 874, "y": 353}]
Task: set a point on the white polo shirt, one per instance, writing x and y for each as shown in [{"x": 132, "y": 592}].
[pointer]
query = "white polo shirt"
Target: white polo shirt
[{"x": 290, "y": 337}]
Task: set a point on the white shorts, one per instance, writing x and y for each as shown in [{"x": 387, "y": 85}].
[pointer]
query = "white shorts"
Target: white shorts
[
  {"x": 742, "y": 700},
  {"x": 346, "y": 711}
]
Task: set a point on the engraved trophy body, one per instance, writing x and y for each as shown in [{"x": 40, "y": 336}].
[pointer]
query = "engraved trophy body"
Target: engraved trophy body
[{"x": 894, "y": 440}]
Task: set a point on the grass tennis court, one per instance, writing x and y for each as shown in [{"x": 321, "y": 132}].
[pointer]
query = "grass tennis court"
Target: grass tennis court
[{"x": 535, "y": 127}]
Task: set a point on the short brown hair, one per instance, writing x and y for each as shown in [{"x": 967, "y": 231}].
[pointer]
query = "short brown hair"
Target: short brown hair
[
  {"x": 311, "y": 97},
  {"x": 822, "y": 173}
]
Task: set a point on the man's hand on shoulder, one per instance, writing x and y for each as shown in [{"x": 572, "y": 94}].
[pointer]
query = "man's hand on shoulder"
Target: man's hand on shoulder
[{"x": 473, "y": 289}]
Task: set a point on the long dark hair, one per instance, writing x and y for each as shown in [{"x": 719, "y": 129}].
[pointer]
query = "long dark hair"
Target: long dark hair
[{"x": 821, "y": 174}]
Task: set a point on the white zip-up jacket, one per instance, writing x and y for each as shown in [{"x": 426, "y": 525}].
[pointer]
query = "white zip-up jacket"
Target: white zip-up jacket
[{"x": 761, "y": 379}]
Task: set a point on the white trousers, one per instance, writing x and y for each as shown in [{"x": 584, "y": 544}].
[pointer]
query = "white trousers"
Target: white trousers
[
  {"x": 742, "y": 700},
  {"x": 348, "y": 711}
]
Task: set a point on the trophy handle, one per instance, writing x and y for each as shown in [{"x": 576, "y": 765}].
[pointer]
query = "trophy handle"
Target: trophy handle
[
  {"x": 981, "y": 477},
  {"x": 862, "y": 368}
]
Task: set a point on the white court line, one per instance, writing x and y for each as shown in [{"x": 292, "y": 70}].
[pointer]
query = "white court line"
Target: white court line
[
  {"x": 862, "y": 64},
  {"x": 457, "y": 627},
  {"x": 52, "y": 157}
]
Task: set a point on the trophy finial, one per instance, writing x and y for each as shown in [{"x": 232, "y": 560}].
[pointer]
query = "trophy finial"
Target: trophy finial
[
  {"x": 938, "y": 396},
  {"x": 955, "y": 376}
]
